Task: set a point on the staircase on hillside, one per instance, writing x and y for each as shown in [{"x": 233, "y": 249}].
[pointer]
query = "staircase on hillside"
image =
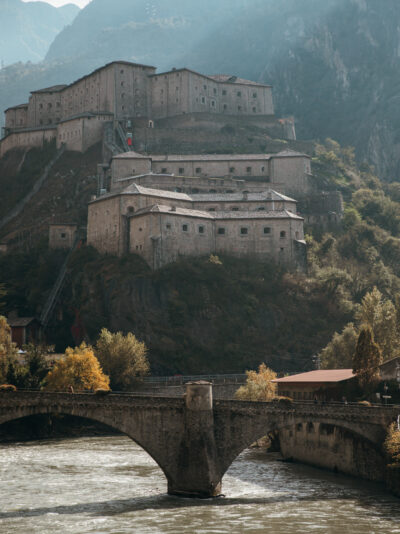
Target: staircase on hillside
[
  {"x": 58, "y": 285},
  {"x": 122, "y": 137}
]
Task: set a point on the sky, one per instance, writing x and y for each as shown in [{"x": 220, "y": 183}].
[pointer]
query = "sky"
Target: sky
[{"x": 58, "y": 3}]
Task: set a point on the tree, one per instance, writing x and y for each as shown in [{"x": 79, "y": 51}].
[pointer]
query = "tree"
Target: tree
[
  {"x": 36, "y": 366},
  {"x": 2, "y": 295},
  {"x": 380, "y": 315},
  {"x": 258, "y": 385},
  {"x": 80, "y": 369},
  {"x": 392, "y": 443},
  {"x": 340, "y": 350},
  {"x": 367, "y": 358},
  {"x": 8, "y": 349},
  {"x": 123, "y": 358}
]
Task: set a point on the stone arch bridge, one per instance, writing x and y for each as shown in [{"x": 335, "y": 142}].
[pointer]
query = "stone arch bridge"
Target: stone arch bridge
[{"x": 193, "y": 439}]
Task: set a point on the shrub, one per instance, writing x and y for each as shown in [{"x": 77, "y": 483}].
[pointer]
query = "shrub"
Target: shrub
[
  {"x": 364, "y": 403},
  {"x": 7, "y": 387}
]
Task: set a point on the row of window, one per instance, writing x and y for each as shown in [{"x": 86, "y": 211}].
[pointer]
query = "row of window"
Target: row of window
[
  {"x": 232, "y": 170},
  {"x": 50, "y": 105},
  {"x": 243, "y": 230}
]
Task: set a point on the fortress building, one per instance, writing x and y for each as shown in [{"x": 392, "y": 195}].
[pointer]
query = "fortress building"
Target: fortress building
[
  {"x": 288, "y": 172},
  {"x": 124, "y": 92},
  {"x": 162, "y": 225}
]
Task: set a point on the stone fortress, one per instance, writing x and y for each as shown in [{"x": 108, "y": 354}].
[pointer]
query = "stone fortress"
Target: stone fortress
[
  {"x": 120, "y": 92},
  {"x": 163, "y": 205}
]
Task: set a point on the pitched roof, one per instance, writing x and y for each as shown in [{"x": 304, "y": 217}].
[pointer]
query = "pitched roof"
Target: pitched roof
[
  {"x": 323, "y": 375},
  {"x": 269, "y": 194},
  {"x": 160, "y": 208},
  {"x": 21, "y": 321},
  {"x": 51, "y": 89},
  {"x": 211, "y": 157},
  {"x": 228, "y": 78},
  {"x": 17, "y": 107},
  {"x": 215, "y": 215},
  {"x": 219, "y": 78},
  {"x": 87, "y": 114},
  {"x": 135, "y": 189}
]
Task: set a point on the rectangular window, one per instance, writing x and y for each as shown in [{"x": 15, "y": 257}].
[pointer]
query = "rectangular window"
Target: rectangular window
[
  {"x": 201, "y": 229},
  {"x": 205, "y": 87},
  {"x": 184, "y": 227},
  {"x": 239, "y": 93},
  {"x": 198, "y": 170},
  {"x": 168, "y": 226},
  {"x": 283, "y": 234},
  {"x": 244, "y": 231},
  {"x": 248, "y": 169},
  {"x": 254, "y": 110},
  {"x": 267, "y": 230},
  {"x": 181, "y": 170},
  {"x": 221, "y": 231},
  {"x": 203, "y": 100},
  {"x": 225, "y": 107},
  {"x": 254, "y": 95},
  {"x": 224, "y": 92},
  {"x": 213, "y": 103},
  {"x": 215, "y": 91},
  {"x": 164, "y": 170},
  {"x": 231, "y": 169}
]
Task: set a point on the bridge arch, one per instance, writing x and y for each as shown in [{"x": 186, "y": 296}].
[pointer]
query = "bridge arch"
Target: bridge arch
[
  {"x": 373, "y": 435},
  {"x": 133, "y": 424}
]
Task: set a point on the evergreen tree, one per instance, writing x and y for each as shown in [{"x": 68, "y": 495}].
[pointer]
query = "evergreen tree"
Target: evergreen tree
[{"x": 367, "y": 358}]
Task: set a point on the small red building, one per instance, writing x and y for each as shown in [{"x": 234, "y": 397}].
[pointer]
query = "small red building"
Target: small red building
[
  {"x": 322, "y": 384},
  {"x": 24, "y": 330}
]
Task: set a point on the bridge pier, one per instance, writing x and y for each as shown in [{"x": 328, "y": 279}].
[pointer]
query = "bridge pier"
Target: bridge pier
[{"x": 196, "y": 473}]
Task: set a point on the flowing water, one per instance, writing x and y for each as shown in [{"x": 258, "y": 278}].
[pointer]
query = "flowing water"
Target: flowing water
[{"x": 107, "y": 485}]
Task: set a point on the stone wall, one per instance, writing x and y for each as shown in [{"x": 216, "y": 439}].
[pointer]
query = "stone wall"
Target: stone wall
[
  {"x": 16, "y": 117},
  {"x": 161, "y": 238},
  {"x": 62, "y": 235},
  {"x": 328, "y": 446},
  {"x": 44, "y": 108},
  {"x": 184, "y": 91},
  {"x": 81, "y": 133},
  {"x": 27, "y": 138}
]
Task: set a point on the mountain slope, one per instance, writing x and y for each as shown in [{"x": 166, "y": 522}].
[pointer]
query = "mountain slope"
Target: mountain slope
[{"x": 27, "y": 29}]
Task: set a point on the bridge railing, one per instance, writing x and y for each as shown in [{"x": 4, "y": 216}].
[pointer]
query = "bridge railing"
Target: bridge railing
[
  {"x": 182, "y": 379},
  {"x": 286, "y": 403}
]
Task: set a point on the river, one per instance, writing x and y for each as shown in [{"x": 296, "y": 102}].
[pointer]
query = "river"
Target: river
[{"x": 107, "y": 485}]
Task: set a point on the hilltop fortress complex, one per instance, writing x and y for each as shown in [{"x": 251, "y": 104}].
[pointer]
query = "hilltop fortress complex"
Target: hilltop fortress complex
[{"x": 162, "y": 203}]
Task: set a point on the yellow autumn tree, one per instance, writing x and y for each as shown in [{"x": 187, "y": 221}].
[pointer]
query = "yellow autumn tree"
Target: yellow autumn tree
[
  {"x": 392, "y": 443},
  {"x": 259, "y": 386},
  {"x": 80, "y": 369},
  {"x": 8, "y": 349}
]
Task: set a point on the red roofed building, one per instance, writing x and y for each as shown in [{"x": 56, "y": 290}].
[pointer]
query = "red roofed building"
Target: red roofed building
[{"x": 323, "y": 384}]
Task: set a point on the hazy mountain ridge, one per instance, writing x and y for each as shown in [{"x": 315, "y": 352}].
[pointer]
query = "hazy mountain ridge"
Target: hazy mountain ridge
[
  {"x": 28, "y": 28},
  {"x": 334, "y": 65}
]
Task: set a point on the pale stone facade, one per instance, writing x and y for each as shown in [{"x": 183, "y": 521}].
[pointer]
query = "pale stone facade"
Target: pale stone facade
[
  {"x": 62, "y": 235},
  {"x": 287, "y": 172},
  {"x": 185, "y": 91},
  {"x": 128, "y": 91},
  {"x": 162, "y": 226}
]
